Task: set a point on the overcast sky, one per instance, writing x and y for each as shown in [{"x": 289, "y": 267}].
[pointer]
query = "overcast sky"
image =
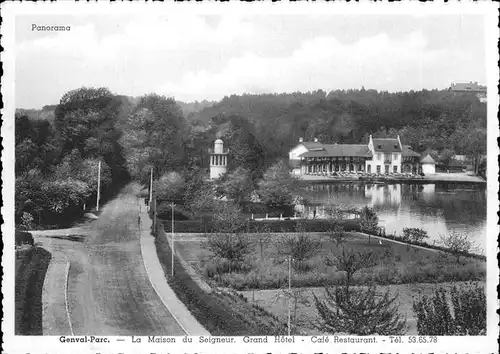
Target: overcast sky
[{"x": 208, "y": 57}]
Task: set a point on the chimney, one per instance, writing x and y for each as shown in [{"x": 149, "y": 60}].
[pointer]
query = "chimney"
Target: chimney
[
  {"x": 301, "y": 140},
  {"x": 315, "y": 140}
]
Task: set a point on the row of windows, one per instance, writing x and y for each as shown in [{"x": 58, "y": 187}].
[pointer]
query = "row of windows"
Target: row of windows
[
  {"x": 387, "y": 169},
  {"x": 387, "y": 156}
]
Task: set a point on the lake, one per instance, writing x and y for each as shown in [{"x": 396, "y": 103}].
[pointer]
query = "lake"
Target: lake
[{"x": 435, "y": 207}]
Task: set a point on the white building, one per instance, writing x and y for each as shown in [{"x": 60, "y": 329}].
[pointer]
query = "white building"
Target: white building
[
  {"x": 218, "y": 159},
  {"x": 387, "y": 155},
  {"x": 428, "y": 165},
  {"x": 380, "y": 155}
]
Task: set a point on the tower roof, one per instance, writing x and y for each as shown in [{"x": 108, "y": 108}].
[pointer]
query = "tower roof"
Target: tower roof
[{"x": 219, "y": 141}]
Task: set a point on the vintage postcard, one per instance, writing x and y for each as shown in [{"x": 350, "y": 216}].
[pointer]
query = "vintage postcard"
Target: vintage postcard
[{"x": 250, "y": 177}]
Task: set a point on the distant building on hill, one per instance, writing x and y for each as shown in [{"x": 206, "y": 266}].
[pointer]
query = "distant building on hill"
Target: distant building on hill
[
  {"x": 474, "y": 87},
  {"x": 380, "y": 155}
]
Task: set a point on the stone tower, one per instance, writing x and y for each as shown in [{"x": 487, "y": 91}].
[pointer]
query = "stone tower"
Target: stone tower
[{"x": 218, "y": 159}]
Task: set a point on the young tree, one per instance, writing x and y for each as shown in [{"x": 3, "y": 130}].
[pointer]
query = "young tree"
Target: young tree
[
  {"x": 369, "y": 221},
  {"x": 233, "y": 247},
  {"x": 350, "y": 262},
  {"x": 337, "y": 235},
  {"x": 297, "y": 296},
  {"x": 300, "y": 247},
  {"x": 264, "y": 238},
  {"x": 360, "y": 311},
  {"x": 457, "y": 243}
]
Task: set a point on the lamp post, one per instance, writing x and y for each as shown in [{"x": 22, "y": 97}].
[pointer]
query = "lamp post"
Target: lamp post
[
  {"x": 289, "y": 294},
  {"x": 173, "y": 205},
  {"x": 98, "y": 185},
  {"x": 151, "y": 189}
]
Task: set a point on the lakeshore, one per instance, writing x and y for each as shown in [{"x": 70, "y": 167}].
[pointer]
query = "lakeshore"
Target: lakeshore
[{"x": 437, "y": 177}]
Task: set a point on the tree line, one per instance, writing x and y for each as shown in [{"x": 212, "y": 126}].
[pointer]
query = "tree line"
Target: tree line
[{"x": 59, "y": 147}]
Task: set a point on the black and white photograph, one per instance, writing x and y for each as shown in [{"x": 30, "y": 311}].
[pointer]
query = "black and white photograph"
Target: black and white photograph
[{"x": 243, "y": 179}]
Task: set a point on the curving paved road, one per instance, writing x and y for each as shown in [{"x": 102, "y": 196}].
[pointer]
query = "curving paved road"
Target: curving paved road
[{"x": 108, "y": 290}]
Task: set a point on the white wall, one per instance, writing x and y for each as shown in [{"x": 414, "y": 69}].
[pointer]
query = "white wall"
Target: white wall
[
  {"x": 379, "y": 161},
  {"x": 428, "y": 168}
]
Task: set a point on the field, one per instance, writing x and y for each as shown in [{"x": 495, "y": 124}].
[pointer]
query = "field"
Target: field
[
  {"x": 306, "y": 314},
  {"x": 396, "y": 263}
]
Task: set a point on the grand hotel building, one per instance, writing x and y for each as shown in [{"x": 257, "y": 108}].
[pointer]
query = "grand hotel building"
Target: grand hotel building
[{"x": 380, "y": 156}]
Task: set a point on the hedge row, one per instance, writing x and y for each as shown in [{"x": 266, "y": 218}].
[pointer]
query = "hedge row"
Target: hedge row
[
  {"x": 424, "y": 244},
  {"x": 30, "y": 275},
  {"x": 220, "y": 313},
  {"x": 207, "y": 226}
]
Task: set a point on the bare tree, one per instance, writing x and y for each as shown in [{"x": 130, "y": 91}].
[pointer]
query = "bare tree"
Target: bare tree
[
  {"x": 337, "y": 235},
  {"x": 350, "y": 262},
  {"x": 264, "y": 239},
  {"x": 300, "y": 247},
  {"x": 458, "y": 243},
  {"x": 297, "y": 296}
]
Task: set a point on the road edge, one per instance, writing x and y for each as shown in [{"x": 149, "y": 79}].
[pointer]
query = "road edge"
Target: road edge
[{"x": 179, "y": 311}]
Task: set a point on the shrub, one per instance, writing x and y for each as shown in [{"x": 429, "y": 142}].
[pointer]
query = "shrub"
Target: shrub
[
  {"x": 27, "y": 221},
  {"x": 219, "y": 266},
  {"x": 463, "y": 314},
  {"x": 23, "y": 237},
  {"x": 414, "y": 234},
  {"x": 359, "y": 311},
  {"x": 232, "y": 247}
]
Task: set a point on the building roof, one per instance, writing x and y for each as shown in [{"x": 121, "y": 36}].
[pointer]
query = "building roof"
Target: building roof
[
  {"x": 218, "y": 141},
  {"x": 311, "y": 144},
  {"x": 336, "y": 150},
  {"x": 468, "y": 87},
  {"x": 407, "y": 151},
  {"x": 428, "y": 159},
  {"x": 386, "y": 145}
]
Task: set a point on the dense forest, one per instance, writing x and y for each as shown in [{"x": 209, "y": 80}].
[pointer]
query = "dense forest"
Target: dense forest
[{"x": 58, "y": 148}]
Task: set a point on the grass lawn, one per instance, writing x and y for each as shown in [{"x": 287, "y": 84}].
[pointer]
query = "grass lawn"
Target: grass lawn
[
  {"x": 306, "y": 313},
  {"x": 396, "y": 263}
]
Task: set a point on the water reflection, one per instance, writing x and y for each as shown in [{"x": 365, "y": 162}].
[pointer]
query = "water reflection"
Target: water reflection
[{"x": 435, "y": 207}]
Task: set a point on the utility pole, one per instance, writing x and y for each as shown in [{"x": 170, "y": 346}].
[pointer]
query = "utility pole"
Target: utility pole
[
  {"x": 289, "y": 293},
  {"x": 98, "y": 185},
  {"x": 173, "y": 205},
  {"x": 151, "y": 189},
  {"x": 154, "y": 216}
]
